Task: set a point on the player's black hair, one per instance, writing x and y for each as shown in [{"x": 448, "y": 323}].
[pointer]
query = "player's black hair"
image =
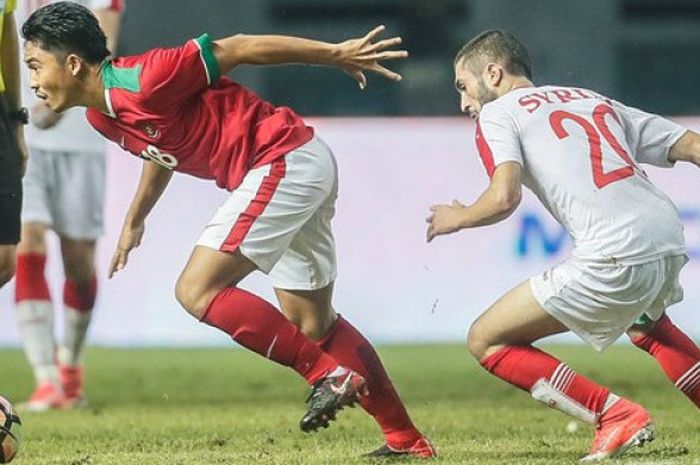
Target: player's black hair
[
  {"x": 498, "y": 46},
  {"x": 67, "y": 27}
]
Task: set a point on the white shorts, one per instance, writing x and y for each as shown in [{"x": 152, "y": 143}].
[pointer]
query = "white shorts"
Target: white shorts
[
  {"x": 599, "y": 303},
  {"x": 280, "y": 218},
  {"x": 65, "y": 191}
]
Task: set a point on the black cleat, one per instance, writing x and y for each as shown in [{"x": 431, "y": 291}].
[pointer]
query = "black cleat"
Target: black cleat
[
  {"x": 329, "y": 395},
  {"x": 422, "y": 448}
]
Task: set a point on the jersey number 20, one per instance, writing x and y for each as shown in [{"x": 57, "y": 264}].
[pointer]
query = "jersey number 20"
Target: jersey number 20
[{"x": 594, "y": 131}]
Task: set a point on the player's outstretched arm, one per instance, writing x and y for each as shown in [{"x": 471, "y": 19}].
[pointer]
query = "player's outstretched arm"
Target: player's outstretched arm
[
  {"x": 687, "y": 148},
  {"x": 496, "y": 204},
  {"x": 354, "y": 56},
  {"x": 154, "y": 180}
]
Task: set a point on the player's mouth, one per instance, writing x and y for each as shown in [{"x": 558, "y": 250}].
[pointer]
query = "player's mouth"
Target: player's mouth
[{"x": 41, "y": 96}]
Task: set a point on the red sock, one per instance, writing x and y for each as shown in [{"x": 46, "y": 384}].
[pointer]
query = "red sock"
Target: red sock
[
  {"x": 80, "y": 296},
  {"x": 30, "y": 283},
  {"x": 257, "y": 325},
  {"x": 346, "y": 345},
  {"x": 549, "y": 381},
  {"x": 678, "y": 356}
]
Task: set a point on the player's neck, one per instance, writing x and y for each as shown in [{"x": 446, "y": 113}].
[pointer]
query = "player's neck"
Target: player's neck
[
  {"x": 94, "y": 92},
  {"x": 516, "y": 83}
]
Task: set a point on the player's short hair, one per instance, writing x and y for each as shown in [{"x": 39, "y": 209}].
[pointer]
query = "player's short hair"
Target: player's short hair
[
  {"x": 496, "y": 46},
  {"x": 67, "y": 27}
]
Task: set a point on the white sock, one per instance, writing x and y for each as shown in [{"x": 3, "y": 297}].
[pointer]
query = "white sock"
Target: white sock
[
  {"x": 76, "y": 324},
  {"x": 35, "y": 319}
]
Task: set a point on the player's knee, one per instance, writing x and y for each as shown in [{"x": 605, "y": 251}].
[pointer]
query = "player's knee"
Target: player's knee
[
  {"x": 477, "y": 342},
  {"x": 314, "y": 328},
  {"x": 78, "y": 259},
  {"x": 639, "y": 332},
  {"x": 192, "y": 297},
  {"x": 32, "y": 240}
]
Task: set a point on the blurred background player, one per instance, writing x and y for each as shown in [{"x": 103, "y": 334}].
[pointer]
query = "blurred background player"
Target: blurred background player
[
  {"x": 173, "y": 108},
  {"x": 579, "y": 152},
  {"x": 64, "y": 192},
  {"x": 12, "y": 149}
]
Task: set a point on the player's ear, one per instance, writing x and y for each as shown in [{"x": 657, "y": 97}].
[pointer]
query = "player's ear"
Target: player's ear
[
  {"x": 494, "y": 74},
  {"x": 75, "y": 64}
]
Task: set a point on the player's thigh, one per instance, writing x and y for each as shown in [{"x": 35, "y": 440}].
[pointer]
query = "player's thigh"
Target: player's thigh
[
  {"x": 33, "y": 238},
  {"x": 37, "y": 184},
  {"x": 8, "y": 253},
  {"x": 78, "y": 258},
  {"x": 77, "y": 200},
  {"x": 207, "y": 272},
  {"x": 309, "y": 262},
  {"x": 670, "y": 293},
  {"x": 516, "y": 318},
  {"x": 311, "y": 310}
]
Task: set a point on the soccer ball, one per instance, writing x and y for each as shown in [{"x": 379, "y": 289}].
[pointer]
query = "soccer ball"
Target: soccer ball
[{"x": 10, "y": 427}]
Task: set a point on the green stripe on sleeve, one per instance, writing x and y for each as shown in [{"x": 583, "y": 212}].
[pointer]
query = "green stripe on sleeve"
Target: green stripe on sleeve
[
  {"x": 121, "y": 78},
  {"x": 212, "y": 65}
]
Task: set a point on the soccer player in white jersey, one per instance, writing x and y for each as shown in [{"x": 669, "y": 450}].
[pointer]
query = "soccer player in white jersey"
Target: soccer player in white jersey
[
  {"x": 64, "y": 192},
  {"x": 580, "y": 153}
]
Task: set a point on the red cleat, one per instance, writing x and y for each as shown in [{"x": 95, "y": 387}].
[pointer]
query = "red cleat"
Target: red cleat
[
  {"x": 45, "y": 397},
  {"x": 422, "y": 448},
  {"x": 623, "y": 426},
  {"x": 72, "y": 381}
]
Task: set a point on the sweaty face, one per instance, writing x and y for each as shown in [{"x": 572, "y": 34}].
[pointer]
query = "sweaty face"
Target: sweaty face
[
  {"x": 473, "y": 91},
  {"x": 50, "y": 76}
]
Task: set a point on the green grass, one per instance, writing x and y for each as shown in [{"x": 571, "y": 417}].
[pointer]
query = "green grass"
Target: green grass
[{"x": 231, "y": 407}]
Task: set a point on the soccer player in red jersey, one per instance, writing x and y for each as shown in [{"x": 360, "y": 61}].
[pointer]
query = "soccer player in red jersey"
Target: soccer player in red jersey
[
  {"x": 173, "y": 108},
  {"x": 580, "y": 153}
]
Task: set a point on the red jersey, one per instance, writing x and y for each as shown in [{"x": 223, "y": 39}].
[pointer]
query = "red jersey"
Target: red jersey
[{"x": 172, "y": 107}]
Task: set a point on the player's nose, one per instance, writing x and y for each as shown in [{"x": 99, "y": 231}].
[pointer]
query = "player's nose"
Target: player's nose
[{"x": 464, "y": 104}]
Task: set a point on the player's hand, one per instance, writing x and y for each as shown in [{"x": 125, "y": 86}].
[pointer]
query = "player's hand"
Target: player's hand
[
  {"x": 444, "y": 219},
  {"x": 42, "y": 116},
  {"x": 129, "y": 239},
  {"x": 355, "y": 56}
]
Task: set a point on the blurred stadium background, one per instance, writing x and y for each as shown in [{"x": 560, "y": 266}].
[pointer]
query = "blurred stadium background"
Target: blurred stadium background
[{"x": 400, "y": 148}]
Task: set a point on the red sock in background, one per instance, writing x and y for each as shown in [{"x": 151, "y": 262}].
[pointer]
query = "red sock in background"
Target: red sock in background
[
  {"x": 549, "y": 381},
  {"x": 30, "y": 283},
  {"x": 349, "y": 348},
  {"x": 677, "y": 354},
  {"x": 257, "y": 325},
  {"x": 80, "y": 296},
  {"x": 78, "y": 302}
]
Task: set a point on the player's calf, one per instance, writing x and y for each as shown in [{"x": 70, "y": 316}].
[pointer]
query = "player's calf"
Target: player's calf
[{"x": 675, "y": 352}]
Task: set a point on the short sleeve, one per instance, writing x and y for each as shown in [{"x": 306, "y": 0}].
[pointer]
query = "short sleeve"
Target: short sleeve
[
  {"x": 650, "y": 137},
  {"x": 177, "y": 73},
  {"x": 497, "y": 139}
]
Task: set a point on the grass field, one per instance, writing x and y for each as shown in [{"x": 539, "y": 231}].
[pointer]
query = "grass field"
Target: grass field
[{"x": 230, "y": 407}]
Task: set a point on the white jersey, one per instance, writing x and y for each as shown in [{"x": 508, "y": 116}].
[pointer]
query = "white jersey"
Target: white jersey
[
  {"x": 72, "y": 133},
  {"x": 580, "y": 154}
]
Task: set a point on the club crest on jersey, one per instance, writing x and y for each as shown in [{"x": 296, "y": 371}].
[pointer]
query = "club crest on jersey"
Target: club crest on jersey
[
  {"x": 163, "y": 159},
  {"x": 151, "y": 131}
]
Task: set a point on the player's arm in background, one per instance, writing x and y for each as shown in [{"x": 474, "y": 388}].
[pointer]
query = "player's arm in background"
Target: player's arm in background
[
  {"x": 655, "y": 140},
  {"x": 154, "y": 180},
  {"x": 687, "y": 148},
  {"x": 354, "y": 56},
  {"x": 11, "y": 76},
  {"x": 499, "y": 148},
  {"x": 109, "y": 14}
]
